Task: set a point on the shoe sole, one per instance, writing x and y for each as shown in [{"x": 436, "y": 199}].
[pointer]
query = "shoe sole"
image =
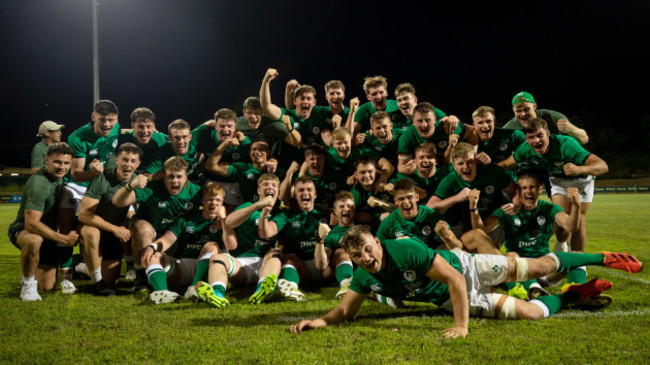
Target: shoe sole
[
  {"x": 596, "y": 302},
  {"x": 206, "y": 294},
  {"x": 267, "y": 287}
]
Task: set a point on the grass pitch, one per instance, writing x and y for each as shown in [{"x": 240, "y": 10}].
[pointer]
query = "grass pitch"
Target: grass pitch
[{"x": 128, "y": 328}]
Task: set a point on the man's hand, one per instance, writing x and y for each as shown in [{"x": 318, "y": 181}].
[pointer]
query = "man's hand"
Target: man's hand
[
  {"x": 510, "y": 209},
  {"x": 333, "y": 220},
  {"x": 231, "y": 142},
  {"x": 267, "y": 202},
  {"x": 443, "y": 231},
  {"x": 336, "y": 121},
  {"x": 139, "y": 182},
  {"x": 272, "y": 165},
  {"x": 463, "y": 195},
  {"x": 453, "y": 141},
  {"x": 410, "y": 167},
  {"x": 483, "y": 158},
  {"x": 122, "y": 233},
  {"x": 97, "y": 167},
  {"x": 473, "y": 196},
  {"x": 145, "y": 257},
  {"x": 571, "y": 170},
  {"x": 303, "y": 326},
  {"x": 293, "y": 168},
  {"x": 455, "y": 332},
  {"x": 240, "y": 136},
  {"x": 574, "y": 196},
  {"x": 359, "y": 138},
  {"x": 351, "y": 180},
  {"x": 71, "y": 239},
  {"x": 354, "y": 103},
  {"x": 271, "y": 74},
  {"x": 451, "y": 123}
]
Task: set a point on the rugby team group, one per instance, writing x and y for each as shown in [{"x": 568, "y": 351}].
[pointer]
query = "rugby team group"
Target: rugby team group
[{"x": 420, "y": 203}]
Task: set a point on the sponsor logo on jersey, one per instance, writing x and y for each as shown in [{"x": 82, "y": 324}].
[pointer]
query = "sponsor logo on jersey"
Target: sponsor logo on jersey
[
  {"x": 257, "y": 221},
  {"x": 503, "y": 146},
  {"x": 442, "y": 145},
  {"x": 375, "y": 287},
  {"x": 250, "y": 176},
  {"x": 526, "y": 243},
  {"x": 295, "y": 224},
  {"x": 379, "y": 148},
  {"x": 426, "y": 230},
  {"x": 489, "y": 189},
  {"x": 399, "y": 233},
  {"x": 93, "y": 152},
  {"x": 306, "y": 244},
  {"x": 409, "y": 275},
  {"x": 115, "y": 143},
  {"x": 166, "y": 221},
  {"x": 162, "y": 205},
  {"x": 517, "y": 222},
  {"x": 189, "y": 229},
  {"x": 541, "y": 220}
]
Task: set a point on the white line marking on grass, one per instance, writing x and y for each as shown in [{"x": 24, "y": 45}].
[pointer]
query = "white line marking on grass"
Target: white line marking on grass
[
  {"x": 582, "y": 314},
  {"x": 621, "y": 275}
]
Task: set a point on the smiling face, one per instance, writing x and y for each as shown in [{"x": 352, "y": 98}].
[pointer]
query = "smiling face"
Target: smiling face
[
  {"x": 366, "y": 174},
  {"x": 406, "y": 103},
  {"x": 425, "y": 161},
  {"x": 127, "y": 163},
  {"x": 539, "y": 140},
  {"x": 103, "y": 124},
  {"x": 180, "y": 139},
  {"x": 344, "y": 211},
  {"x": 529, "y": 192},
  {"x": 466, "y": 167},
  {"x": 304, "y": 104},
  {"x": 53, "y": 136},
  {"x": 425, "y": 123},
  {"x": 175, "y": 181},
  {"x": 58, "y": 164},
  {"x": 253, "y": 117},
  {"x": 268, "y": 187},
  {"x": 377, "y": 95},
  {"x": 143, "y": 130},
  {"x": 525, "y": 110},
  {"x": 407, "y": 202},
  {"x": 335, "y": 97},
  {"x": 369, "y": 256},
  {"x": 225, "y": 129},
  {"x": 259, "y": 153},
  {"x": 484, "y": 125},
  {"x": 316, "y": 164},
  {"x": 305, "y": 195},
  {"x": 343, "y": 146},
  {"x": 211, "y": 202},
  {"x": 383, "y": 130}
]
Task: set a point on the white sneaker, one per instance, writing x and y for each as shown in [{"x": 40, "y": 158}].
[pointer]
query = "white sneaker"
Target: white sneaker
[
  {"x": 345, "y": 285},
  {"x": 163, "y": 296},
  {"x": 130, "y": 273},
  {"x": 190, "y": 294},
  {"x": 290, "y": 290},
  {"x": 67, "y": 287},
  {"x": 29, "y": 292}
]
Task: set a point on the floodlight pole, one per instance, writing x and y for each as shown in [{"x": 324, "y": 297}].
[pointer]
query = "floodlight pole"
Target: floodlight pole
[{"x": 95, "y": 55}]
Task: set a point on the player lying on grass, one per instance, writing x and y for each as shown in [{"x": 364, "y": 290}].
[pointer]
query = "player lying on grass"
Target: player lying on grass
[
  {"x": 456, "y": 280},
  {"x": 180, "y": 257},
  {"x": 529, "y": 230},
  {"x": 253, "y": 258}
]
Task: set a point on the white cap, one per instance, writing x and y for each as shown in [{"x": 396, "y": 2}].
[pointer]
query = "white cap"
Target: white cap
[{"x": 48, "y": 125}]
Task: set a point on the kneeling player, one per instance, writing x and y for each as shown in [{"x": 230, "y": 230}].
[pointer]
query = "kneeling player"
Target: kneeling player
[{"x": 456, "y": 280}]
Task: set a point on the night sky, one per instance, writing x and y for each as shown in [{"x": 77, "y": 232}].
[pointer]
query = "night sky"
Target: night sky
[{"x": 187, "y": 59}]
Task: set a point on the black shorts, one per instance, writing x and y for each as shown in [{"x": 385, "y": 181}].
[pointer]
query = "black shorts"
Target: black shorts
[
  {"x": 110, "y": 247},
  {"x": 47, "y": 255}
]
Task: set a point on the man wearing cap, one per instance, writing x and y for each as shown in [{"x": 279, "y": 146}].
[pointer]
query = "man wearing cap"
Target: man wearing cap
[
  {"x": 50, "y": 133},
  {"x": 525, "y": 108}
]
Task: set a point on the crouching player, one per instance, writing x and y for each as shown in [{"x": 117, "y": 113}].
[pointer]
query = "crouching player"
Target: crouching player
[
  {"x": 181, "y": 256},
  {"x": 304, "y": 255},
  {"x": 253, "y": 258},
  {"x": 456, "y": 280}
]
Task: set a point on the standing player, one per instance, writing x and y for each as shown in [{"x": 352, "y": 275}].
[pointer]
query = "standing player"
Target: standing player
[
  {"x": 525, "y": 108},
  {"x": 382, "y": 137},
  {"x": 462, "y": 283},
  {"x": 104, "y": 232},
  {"x": 182, "y": 144},
  {"x": 34, "y": 232},
  {"x": 375, "y": 88},
  {"x": 143, "y": 135},
  {"x": 50, "y": 133},
  {"x": 425, "y": 174}
]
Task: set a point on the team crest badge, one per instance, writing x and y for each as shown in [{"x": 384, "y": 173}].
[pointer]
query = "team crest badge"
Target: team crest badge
[
  {"x": 399, "y": 234},
  {"x": 189, "y": 229},
  {"x": 503, "y": 146},
  {"x": 189, "y": 206},
  {"x": 213, "y": 229},
  {"x": 409, "y": 275},
  {"x": 541, "y": 220},
  {"x": 426, "y": 230},
  {"x": 236, "y": 156},
  {"x": 316, "y": 130},
  {"x": 375, "y": 287},
  {"x": 517, "y": 222},
  {"x": 333, "y": 186},
  {"x": 115, "y": 143},
  {"x": 250, "y": 176},
  {"x": 379, "y": 148},
  {"x": 489, "y": 189},
  {"x": 323, "y": 220},
  {"x": 442, "y": 145},
  {"x": 93, "y": 151}
]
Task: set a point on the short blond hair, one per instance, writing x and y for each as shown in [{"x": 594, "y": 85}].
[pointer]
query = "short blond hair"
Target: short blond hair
[
  {"x": 179, "y": 124},
  {"x": 482, "y": 110},
  {"x": 225, "y": 114},
  {"x": 214, "y": 188},
  {"x": 378, "y": 117},
  {"x": 462, "y": 150},
  {"x": 374, "y": 81},
  {"x": 341, "y": 133},
  {"x": 175, "y": 163},
  {"x": 334, "y": 84},
  {"x": 404, "y": 88}
]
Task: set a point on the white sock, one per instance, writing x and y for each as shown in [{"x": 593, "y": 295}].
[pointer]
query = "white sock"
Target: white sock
[{"x": 96, "y": 275}]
